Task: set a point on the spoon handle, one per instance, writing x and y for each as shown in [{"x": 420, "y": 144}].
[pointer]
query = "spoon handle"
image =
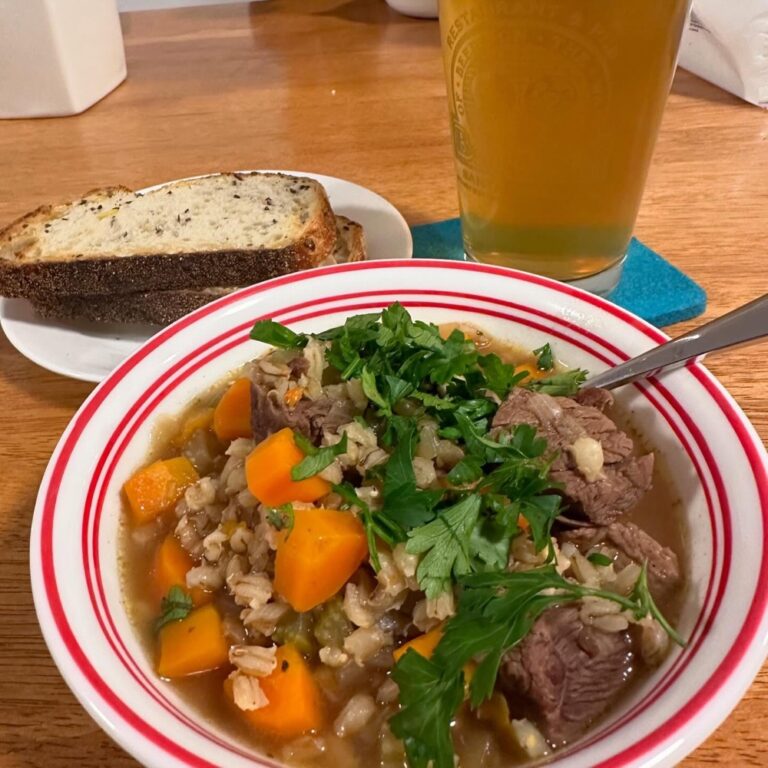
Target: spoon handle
[{"x": 742, "y": 326}]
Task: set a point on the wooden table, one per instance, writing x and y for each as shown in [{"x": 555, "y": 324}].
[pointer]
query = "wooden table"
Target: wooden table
[{"x": 353, "y": 90}]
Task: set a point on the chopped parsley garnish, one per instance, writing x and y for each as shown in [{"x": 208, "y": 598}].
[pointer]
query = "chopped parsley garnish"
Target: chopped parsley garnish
[
  {"x": 565, "y": 384},
  {"x": 405, "y": 503},
  {"x": 495, "y": 612},
  {"x": 444, "y": 544},
  {"x": 374, "y": 523},
  {"x": 304, "y": 444},
  {"x": 545, "y": 359},
  {"x": 469, "y": 470},
  {"x": 281, "y": 517},
  {"x": 396, "y": 357},
  {"x": 598, "y": 558},
  {"x": 500, "y": 377},
  {"x": 176, "y": 605},
  {"x": 316, "y": 459},
  {"x": 425, "y": 688},
  {"x": 278, "y": 335},
  {"x": 401, "y": 361}
]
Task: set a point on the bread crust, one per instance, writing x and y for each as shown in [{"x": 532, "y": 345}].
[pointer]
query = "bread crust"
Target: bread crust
[
  {"x": 158, "y": 272},
  {"x": 146, "y": 307},
  {"x": 354, "y": 235}
]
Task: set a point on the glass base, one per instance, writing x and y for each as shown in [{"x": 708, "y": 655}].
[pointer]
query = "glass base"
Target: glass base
[{"x": 601, "y": 284}]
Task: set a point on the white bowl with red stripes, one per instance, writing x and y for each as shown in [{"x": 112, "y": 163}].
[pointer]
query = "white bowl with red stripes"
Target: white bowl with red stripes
[{"x": 716, "y": 460}]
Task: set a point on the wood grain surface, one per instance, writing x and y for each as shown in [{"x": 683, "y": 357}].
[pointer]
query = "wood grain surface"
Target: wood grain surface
[{"x": 352, "y": 90}]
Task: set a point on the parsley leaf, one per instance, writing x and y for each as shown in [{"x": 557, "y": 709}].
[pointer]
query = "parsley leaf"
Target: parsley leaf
[
  {"x": 433, "y": 401},
  {"x": 566, "y": 383},
  {"x": 350, "y": 342},
  {"x": 540, "y": 512},
  {"x": 445, "y": 542},
  {"x": 306, "y": 446},
  {"x": 476, "y": 442},
  {"x": 428, "y": 701},
  {"x": 357, "y": 329},
  {"x": 278, "y": 335},
  {"x": 375, "y": 523},
  {"x": 396, "y": 357},
  {"x": 598, "y": 558},
  {"x": 469, "y": 470},
  {"x": 281, "y": 517},
  {"x": 371, "y": 390},
  {"x": 397, "y": 388},
  {"x": 645, "y": 606},
  {"x": 500, "y": 377},
  {"x": 523, "y": 478},
  {"x": 176, "y": 605},
  {"x": 455, "y": 357},
  {"x": 522, "y": 443},
  {"x": 316, "y": 462},
  {"x": 545, "y": 359},
  {"x": 404, "y": 502},
  {"x": 489, "y": 546}
]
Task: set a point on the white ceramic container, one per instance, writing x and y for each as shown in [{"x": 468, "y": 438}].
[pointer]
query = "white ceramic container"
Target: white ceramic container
[{"x": 58, "y": 57}]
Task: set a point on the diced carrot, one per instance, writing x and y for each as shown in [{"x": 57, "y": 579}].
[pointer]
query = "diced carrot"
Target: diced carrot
[
  {"x": 317, "y": 556},
  {"x": 522, "y": 523},
  {"x": 268, "y": 472},
  {"x": 295, "y": 706},
  {"x": 424, "y": 644},
  {"x": 232, "y": 416},
  {"x": 169, "y": 569},
  {"x": 156, "y": 488},
  {"x": 292, "y": 396},
  {"x": 195, "y": 644},
  {"x": 200, "y": 418}
]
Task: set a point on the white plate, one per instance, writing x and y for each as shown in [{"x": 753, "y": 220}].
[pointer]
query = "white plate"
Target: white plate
[{"x": 89, "y": 351}]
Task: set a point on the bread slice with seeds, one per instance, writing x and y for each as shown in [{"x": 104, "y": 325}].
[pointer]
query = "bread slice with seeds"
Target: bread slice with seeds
[
  {"x": 163, "y": 307},
  {"x": 225, "y": 229}
]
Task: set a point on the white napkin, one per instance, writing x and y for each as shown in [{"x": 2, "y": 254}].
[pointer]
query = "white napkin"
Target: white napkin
[{"x": 726, "y": 42}]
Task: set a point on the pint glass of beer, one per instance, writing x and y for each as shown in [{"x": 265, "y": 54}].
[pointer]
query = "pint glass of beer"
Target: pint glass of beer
[{"x": 554, "y": 108}]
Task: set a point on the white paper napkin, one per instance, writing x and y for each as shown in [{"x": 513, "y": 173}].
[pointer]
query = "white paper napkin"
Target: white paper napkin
[{"x": 726, "y": 42}]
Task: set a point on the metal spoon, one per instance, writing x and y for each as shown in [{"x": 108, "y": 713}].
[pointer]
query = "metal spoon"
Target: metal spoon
[{"x": 741, "y": 326}]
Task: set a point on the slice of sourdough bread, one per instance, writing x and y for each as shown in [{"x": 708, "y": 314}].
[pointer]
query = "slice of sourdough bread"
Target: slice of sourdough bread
[
  {"x": 230, "y": 228},
  {"x": 350, "y": 242},
  {"x": 163, "y": 307}
]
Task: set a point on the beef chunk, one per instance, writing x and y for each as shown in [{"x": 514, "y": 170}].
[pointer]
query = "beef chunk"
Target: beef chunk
[
  {"x": 601, "y": 399},
  {"x": 635, "y": 544},
  {"x": 562, "y": 421},
  {"x": 298, "y": 366},
  {"x": 569, "y": 671},
  {"x": 606, "y": 499},
  {"x": 269, "y": 413}
]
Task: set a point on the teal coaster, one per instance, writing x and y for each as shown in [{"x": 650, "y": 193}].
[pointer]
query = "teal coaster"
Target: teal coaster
[{"x": 650, "y": 286}]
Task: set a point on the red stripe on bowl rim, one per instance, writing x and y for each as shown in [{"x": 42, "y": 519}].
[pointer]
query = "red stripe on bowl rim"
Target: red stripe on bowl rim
[
  {"x": 747, "y": 440},
  {"x": 236, "y": 332}
]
